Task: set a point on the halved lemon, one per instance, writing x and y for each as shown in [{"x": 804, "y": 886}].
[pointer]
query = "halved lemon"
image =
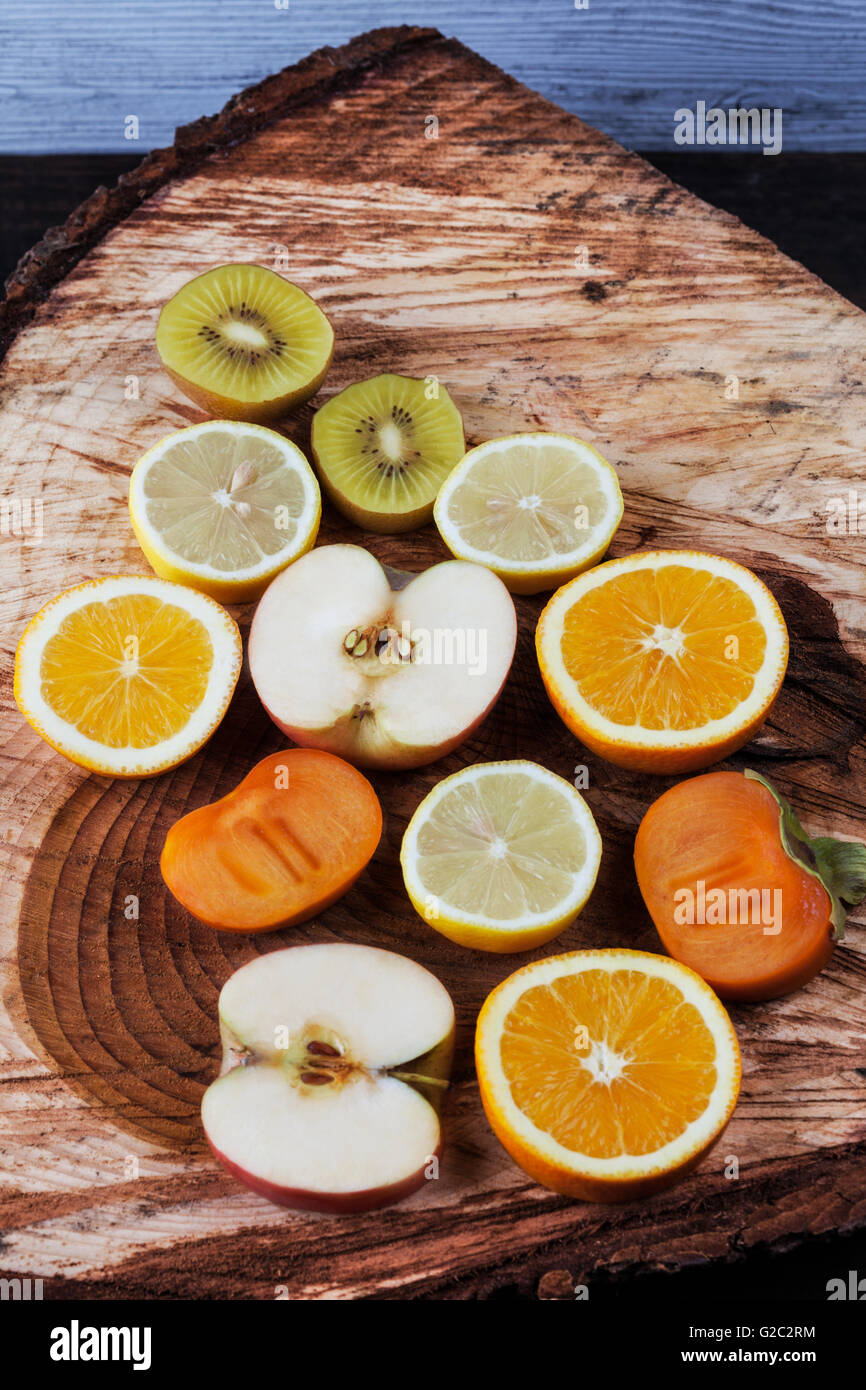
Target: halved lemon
[
  {"x": 501, "y": 856},
  {"x": 663, "y": 661},
  {"x": 537, "y": 509},
  {"x": 606, "y": 1074},
  {"x": 127, "y": 676},
  {"x": 223, "y": 507}
]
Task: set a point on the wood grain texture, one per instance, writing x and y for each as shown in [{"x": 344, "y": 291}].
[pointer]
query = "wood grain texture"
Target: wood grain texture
[
  {"x": 72, "y": 70},
  {"x": 812, "y": 206},
  {"x": 457, "y": 257}
]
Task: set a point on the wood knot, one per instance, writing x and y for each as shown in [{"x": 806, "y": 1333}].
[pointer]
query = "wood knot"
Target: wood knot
[{"x": 593, "y": 291}]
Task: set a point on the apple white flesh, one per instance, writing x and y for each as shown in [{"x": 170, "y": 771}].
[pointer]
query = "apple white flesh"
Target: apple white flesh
[
  {"x": 385, "y": 678},
  {"x": 335, "y": 1058}
]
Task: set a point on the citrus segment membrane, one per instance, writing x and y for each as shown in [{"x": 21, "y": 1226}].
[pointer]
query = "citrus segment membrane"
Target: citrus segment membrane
[
  {"x": 606, "y": 1074},
  {"x": 501, "y": 856},
  {"x": 128, "y": 672},
  {"x": 214, "y": 500},
  {"x": 664, "y": 649},
  {"x": 520, "y": 501},
  {"x": 224, "y": 502},
  {"x": 607, "y": 1065},
  {"x": 128, "y": 675},
  {"x": 503, "y": 846},
  {"x": 535, "y": 508},
  {"x": 663, "y": 660}
]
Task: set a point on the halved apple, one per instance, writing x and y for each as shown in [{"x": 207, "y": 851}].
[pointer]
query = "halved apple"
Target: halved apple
[
  {"x": 335, "y": 1058},
  {"x": 385, "y": 677}
]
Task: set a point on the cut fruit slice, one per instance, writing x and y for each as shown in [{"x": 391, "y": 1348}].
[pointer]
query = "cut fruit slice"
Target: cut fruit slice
[
  {"x": 127, "y": 676},
  {"x": 383, "y": 448},
  {"x": 384, "y": 677},
  {"x": 335, "y": 1061},
  {"x": 537, "y": 509},
  {"x": 223, "y": 507},
  {"x": 244, "y": 343},
  {"x": 663, "y": 661},
  {"x": 501, "y": 856},
  {"x": 288, "y": 841},
  {"x": 606, "y": 1075}
]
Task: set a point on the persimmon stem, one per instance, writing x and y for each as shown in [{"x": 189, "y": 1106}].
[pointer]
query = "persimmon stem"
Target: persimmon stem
[{"x": 839, "y": 865}]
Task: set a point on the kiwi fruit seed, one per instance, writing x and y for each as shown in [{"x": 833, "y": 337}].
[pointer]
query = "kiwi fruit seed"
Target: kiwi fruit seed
[
  {"x": 244, "y": 343},
  {"x": 384, "y": 447}
]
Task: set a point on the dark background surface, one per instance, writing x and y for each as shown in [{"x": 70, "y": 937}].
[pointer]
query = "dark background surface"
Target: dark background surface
[{"x": 813, "y": 207}]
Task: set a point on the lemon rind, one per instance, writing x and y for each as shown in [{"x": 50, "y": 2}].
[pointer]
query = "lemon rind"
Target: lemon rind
[
  {"x": 306, "y": 527},
  {"x": 565, "y": 911},
  {"x": 557, "y": 562}
]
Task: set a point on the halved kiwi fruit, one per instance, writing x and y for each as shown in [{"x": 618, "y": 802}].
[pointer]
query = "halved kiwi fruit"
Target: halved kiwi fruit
[
  {"x": 384, "y": 447},
  {"x": 244, "y": 343}
]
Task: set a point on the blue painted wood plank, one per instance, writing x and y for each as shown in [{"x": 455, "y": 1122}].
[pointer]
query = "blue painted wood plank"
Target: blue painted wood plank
[{"x": 71, "y": 71}]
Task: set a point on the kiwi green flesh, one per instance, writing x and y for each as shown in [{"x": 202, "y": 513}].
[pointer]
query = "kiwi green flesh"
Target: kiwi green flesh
[
  {"x": 242, "y": 336},
  {"x": 384, "y": 447}
]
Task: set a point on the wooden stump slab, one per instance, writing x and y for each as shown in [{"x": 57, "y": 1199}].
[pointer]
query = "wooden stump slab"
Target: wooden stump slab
[{"x": 451, "y": 223}]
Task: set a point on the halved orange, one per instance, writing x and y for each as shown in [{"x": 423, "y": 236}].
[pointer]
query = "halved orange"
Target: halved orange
[
  {"x": 127, "y": 676},
  {"x": 663, "y": 661},
  {"x": 606, "y": 1074}
]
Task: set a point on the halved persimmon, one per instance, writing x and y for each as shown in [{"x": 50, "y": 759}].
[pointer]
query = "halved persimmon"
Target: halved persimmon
[
  {"x": 736, "y": 888},
  {"x": 286, "y": 843}
]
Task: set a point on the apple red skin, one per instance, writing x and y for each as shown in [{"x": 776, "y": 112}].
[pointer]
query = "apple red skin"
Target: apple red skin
[{"x": 330, "y": 1204}]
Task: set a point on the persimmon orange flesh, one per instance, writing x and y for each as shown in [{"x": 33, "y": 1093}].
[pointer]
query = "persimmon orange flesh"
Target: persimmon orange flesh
[
  {"x": 736, "y": 888},
  {"x": 289, "y": 840}
]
